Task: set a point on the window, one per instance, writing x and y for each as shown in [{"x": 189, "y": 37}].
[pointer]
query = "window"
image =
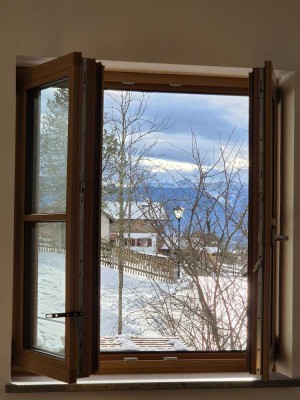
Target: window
[
  {"x": 144, "y": 242},
  {"x": 129, "y": 242},
  {"x": 139, "y": 242},
  {"x": 56, "y": 162},
  {"x": 155, "y": 168},
  {"x": 57, "y": 209}
]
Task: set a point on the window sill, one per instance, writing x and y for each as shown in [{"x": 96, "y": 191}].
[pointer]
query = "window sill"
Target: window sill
[{"x": 149, "y": 382}]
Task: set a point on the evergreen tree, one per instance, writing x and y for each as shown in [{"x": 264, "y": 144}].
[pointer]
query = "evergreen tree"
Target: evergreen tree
[{"x": 54, "y": 152}]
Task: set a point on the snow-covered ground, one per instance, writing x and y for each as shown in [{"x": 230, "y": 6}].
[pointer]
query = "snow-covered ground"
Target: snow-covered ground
[
  {"x": 157, "y": 309},
  {"x": 50, "y": 333},
  {"x": 150, "y": 309},
  {"x": 134, "y": 286}
]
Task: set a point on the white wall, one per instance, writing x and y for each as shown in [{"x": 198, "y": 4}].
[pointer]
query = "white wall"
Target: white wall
[
  {"x": 105, "y": 226},
  {"x": 230, "y": 33},
  {"x": 151, "y": 249}
]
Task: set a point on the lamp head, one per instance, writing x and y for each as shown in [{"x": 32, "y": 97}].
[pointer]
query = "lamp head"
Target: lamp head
[{"x": 178, "y": 211}]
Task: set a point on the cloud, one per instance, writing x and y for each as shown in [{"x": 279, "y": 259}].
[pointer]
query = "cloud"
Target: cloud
[
  {"x": 164, "y": 165},
  {"x": 212, "y": 118},
  {"x": 207, "y": 115},
  {"x": 234, "y": 162}
]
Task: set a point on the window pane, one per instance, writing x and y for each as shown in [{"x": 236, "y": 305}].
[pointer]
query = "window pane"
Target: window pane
[
  {"x": 183, "y": 287},
  {"x": 45, "y": 258},
  {"x": 47, "y": 144}
]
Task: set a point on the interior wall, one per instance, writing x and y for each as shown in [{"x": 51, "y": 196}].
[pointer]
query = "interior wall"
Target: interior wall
[
  {"x": 287, "y": 342},
  {"x": 230, "y": 33}
]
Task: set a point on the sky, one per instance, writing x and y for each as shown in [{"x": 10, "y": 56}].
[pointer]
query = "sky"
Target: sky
[
  {"x": 210, "y": 117},
  {"x": 213, "y": 119}
]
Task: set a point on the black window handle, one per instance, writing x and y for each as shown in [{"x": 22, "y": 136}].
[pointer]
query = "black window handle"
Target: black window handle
[{"x": 65, "y": 315}]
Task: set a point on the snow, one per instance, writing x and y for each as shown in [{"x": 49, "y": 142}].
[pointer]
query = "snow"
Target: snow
[
  {"x": 178, "y": 345},
  {"x": 212, "y": 250},
  {"x": 147, "y": 306},
  {"x": 133, "y": 284},
  {"x": 51, "y": 299},
  {"x": 138, "y": 210},
  {"x": 126, "y": 344}
]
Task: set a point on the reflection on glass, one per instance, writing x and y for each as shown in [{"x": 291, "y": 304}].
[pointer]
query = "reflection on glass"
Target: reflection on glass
[
  {"x": 48, "y": 167},
  {"x": 47, "y": 242}
]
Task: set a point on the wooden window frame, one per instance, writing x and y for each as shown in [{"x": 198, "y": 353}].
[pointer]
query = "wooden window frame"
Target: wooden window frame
[
  {"x": 154, "y": 82},
  {"x": 114, "y": 363},
  {"x": 81, "y": 352},
  {"x": 265, "y": 210},
  {"x": 160, "y": 362}
]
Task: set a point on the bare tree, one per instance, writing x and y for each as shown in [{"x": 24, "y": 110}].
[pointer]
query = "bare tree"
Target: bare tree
[
  {"x": 132, "y": 136},
  {"x": 206, "y": 309}
]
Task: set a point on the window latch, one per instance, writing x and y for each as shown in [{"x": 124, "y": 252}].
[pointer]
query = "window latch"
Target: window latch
[
  {"x": 277, "y": 238},
  {"x": 280, "y": 238},
  {"x": 65, "y": 315}
]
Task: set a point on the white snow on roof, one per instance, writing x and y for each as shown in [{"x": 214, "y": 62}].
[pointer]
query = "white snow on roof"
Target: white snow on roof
[
  {"x": 106, "y": 214},
  {"x": 212, "y": 250},
  {"x": 139, "y": 210}
]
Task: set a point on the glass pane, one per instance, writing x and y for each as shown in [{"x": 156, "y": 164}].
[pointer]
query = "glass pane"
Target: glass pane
[
  {"x": 47, "y": 175},
  {"x": 45, "y": 293},
  {"x": 174, "y": 221}
]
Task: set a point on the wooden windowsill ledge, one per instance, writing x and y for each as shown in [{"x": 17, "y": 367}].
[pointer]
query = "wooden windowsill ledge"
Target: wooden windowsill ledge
[{"x": 149, "y": 382}]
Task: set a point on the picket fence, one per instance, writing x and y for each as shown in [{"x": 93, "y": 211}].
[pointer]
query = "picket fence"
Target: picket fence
[
  {"x": 153, "y": 267},
  {"x": 50, "y": 244}
]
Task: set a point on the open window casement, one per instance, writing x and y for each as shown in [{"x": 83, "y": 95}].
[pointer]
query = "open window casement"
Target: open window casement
[
  {"x": 56, "y": 304},
  {"x": 264, "y": 229},
  {"x": 56, "y": 316}
]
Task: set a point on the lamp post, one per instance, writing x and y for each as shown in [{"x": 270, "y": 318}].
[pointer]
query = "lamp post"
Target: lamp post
[{"x": 178, "y": 211}]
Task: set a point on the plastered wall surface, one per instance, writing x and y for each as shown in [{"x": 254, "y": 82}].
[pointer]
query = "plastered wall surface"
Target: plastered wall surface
[{"x": 226, "y": 33}]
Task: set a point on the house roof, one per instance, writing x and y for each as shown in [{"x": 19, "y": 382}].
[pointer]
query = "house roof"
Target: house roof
[
  {"x": 137, "y": 211},
  {"x": 108, "y": 215},
  {"x": 184, "y": 244},
  {"x": 212, "y": 250}
]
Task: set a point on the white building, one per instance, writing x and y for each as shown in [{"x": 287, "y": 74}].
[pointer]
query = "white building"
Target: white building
[{"x": 141, "y": 218}]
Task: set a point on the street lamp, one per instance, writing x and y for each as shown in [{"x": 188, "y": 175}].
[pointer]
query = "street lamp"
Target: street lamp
[{"x": 178, "y": 211}]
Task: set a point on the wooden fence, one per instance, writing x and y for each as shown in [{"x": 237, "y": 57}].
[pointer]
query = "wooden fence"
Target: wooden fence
[
  {"x": 158, "y": 268},
  {"x": 150, "y": 266},
  {"x": 50, "y": 244}
]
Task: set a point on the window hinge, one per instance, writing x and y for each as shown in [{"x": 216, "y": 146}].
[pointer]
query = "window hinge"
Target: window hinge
[
  {"x": 82, "y": 186},
  {"x": 170, "y": 358},
  {"x": 261, "y": 88},
  {"x": 130, "y": 359}
]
